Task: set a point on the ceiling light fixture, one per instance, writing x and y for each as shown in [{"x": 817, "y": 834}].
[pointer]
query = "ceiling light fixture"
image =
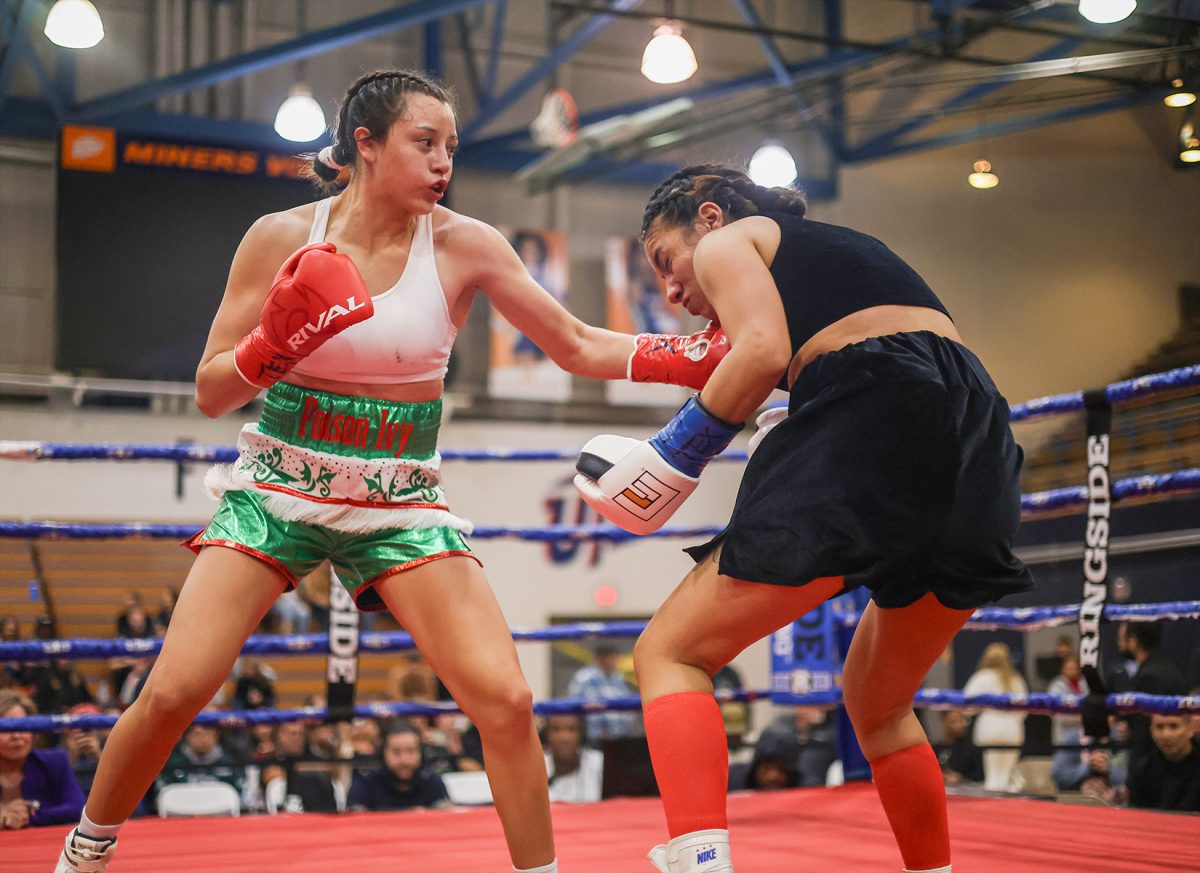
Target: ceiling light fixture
[
  {"x": 300, "y": 117},
  {"x": 1189, "y": 144},
  {"x": 983, "y": 177},
  {"x": 74, "y": 24},
  {"x": 1181, "y": 96},
  {"x": 668, "y": 57},
  {"x": 772, "y": 166},
  {"x": 1106, "y": 11}
]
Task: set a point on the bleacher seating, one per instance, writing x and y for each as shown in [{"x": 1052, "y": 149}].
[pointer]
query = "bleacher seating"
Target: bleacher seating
[
  {"x": 88, "y": 582},
  {"x": 1155, "y": 434},
  {"x": 16, "y": 597}
]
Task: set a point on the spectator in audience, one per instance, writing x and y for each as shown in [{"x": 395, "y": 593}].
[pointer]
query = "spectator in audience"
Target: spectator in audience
[
  {"x": 291, "y": 741},
  {"x": 961, "y": 760},
  {"x": 259, "y": 744},
  {"x": 166, "y": 607},
  {"x": 286, "y": 785},
  {"x": 10, "y": 632},
  {"x": 412, "y": 679},
  {"x": 1072, "y": 769},
  {"x": 735, "y": 714},
  {"x": 808, "y": 730},
  {"x": 83, "y": 747},
  {"x": 10, "y": 629},
  {"x": 1099, "y": 784},
  {"x": 138, "y": 670},
  {"x": 601, "y": 681},
  {"x": 37, "y": 786},
  {"x": 200, "y": 758},
  {"x": 364, "y": 738},
  {"x": 314, "y": 591},
  {"x": 996, "y": 675},
  {"x": 1169, "y": 776},
  {"x": 55, "y": 685},
  {"x": 291, "y": 612},
  {"x": 1192, "y": 671},
  {"x": 773, "y": 766},
  {"x": 287, "y": 789},
  {"x": 132, "y": 624},
  {"x": 327, "y": 741},
  {"x": 1069, "y": 765},
  {"x": 442, "y": 745},
  {"x": 1068, "y": 682},
  {"x": 1153, "y": 674},
  {"x": 115, "y": 711},
  {"x": 1120, "y": 673},
  {"x": 255, "y": 688},
  {"x": 575, "y": 772},
  {"x": 400, "y": 783},
  {"x": 1047, "y": 667},
  {"x": 472, "y": 743}
]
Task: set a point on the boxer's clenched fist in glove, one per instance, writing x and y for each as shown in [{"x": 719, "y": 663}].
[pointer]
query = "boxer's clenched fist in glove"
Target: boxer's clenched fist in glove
[
  {"x": 637, "y": 484},
  {"x": 317, "y": 294}
]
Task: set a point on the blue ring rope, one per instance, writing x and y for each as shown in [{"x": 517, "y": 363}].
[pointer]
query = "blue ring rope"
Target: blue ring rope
[
  {"x": 1045, "y": 501},
  {"x": 930, "y": 697},
  {"x": 50, "y": 451},
  {"x": 1117, "y": 391},
  {"x": 146, "y": 530},
  {"x": 1135, "y": 486},
  {"x": 988, "y": 618}
]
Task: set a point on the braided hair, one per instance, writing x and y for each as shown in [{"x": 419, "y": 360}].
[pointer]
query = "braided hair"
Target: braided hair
[
  {"x": 375, "y": 101},
  {"x": 676, "y": 201}
]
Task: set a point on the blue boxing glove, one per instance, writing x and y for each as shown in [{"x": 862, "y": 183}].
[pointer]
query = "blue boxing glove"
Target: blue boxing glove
[{"x": 638, "y": 485}]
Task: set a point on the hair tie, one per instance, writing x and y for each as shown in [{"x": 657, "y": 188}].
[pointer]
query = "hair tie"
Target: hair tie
[{"x": 325, "y": 156}]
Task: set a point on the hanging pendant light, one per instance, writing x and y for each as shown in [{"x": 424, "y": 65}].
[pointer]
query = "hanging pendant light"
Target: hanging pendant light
[
  {"x": 1189, "y": 144},
  {"x": 74, "y": 24},
  {"x": 772, "y": 166},
  {"x": 1180, "y": 95},
  {"x": 1106, "y": 11},
  {"x": 983, "y": 177},
  {"x": 300, "y": 117},
  {"x": 668, "y": 57}
]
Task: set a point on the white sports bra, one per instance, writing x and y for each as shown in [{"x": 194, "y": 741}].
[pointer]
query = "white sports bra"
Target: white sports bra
[{"x": 408, "y": 339}]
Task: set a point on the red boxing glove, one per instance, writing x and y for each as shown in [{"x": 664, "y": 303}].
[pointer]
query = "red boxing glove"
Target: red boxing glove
[
  {"x": 678, "y": 360},
  {"x": 317, "y": 294}
]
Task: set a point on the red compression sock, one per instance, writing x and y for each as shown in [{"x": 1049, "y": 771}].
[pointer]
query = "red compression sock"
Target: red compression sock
[
  {"x": 686, "y": 735},
  {"x": 913, "y": 794}
]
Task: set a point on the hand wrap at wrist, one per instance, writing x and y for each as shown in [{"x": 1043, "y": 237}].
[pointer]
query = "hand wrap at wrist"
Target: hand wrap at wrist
[{"x": 693, "y": 438}]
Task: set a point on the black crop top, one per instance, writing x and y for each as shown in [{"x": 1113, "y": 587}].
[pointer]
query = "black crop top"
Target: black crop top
[{"x": 825, "y": 272}]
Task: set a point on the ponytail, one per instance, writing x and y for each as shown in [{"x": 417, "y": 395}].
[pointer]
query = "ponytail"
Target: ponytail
[{"x": 374, "y": 101}]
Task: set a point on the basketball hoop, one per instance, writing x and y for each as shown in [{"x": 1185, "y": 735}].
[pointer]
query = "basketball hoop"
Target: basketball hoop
[{"x": 557, "y": 122}]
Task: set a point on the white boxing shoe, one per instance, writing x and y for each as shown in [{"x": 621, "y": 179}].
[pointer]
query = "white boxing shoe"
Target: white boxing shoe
[
  {"x": 82, "y": 855},
  {"x": 697, "y": 852}
]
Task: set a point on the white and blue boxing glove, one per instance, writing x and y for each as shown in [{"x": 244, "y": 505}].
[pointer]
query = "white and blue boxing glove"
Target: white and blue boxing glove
[{"x": 638, "y": 485}]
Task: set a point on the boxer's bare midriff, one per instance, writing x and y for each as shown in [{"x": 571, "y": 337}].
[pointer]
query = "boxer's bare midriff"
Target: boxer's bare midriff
[
  {"x": 866, "y": 323},
  {"x": 408, "y": 392}
]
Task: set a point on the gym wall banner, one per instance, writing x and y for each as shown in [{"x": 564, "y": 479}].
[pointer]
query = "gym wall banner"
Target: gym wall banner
[
  {"x": 147, "y": 229},
  {"x": 105, "y": 150}
]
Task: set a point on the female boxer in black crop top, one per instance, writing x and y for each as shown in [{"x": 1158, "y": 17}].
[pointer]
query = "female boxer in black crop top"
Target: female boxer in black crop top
[{"x": 894, "y": 469}]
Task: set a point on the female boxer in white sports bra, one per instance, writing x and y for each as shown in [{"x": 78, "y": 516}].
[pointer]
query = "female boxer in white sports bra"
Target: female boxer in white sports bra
[{"x": 343, "y": 463}]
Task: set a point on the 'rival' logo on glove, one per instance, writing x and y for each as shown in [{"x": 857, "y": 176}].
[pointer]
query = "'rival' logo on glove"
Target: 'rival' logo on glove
[{"x": 323, "y": 320}]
